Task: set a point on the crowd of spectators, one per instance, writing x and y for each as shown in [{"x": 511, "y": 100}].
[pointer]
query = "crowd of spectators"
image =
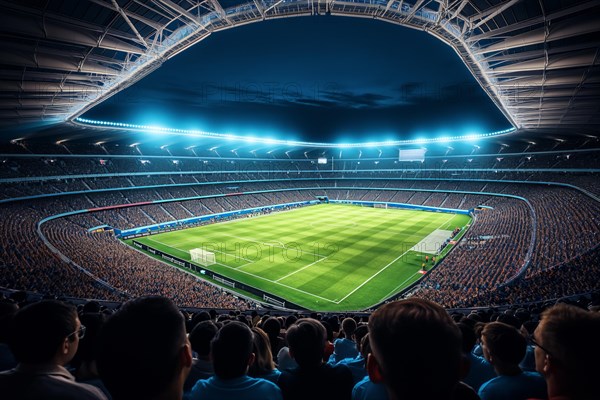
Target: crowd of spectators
[
  {"x": 130, "y": 273},
  {"x": 494, "y": 251},
  {"x": 148, "y": 347}
]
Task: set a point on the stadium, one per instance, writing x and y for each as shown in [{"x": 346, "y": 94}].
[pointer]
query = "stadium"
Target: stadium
[{"x": 95, "y": 207}]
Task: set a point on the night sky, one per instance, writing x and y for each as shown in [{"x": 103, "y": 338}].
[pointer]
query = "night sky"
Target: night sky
[{"x": 320, "y": 78}]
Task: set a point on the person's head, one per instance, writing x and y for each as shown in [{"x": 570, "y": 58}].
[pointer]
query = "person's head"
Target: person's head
[
  {"x": 469, "y": 338},
  {"x": 86, "y": 353},
  {"x": 360, "y": 332},
  {"x": 201, "y": 336},
  {"x": 263, "y": 362},
  {"x": 502, "y": 344},
  {"x": 365, "y": 346},
  {"x": 46, "y": 332},
  {"x": 272, "y": 327},
  {"x": 199, "y": 317},
  {"x": 348, "y": 327},
  {"x": 415, "y": 349},
  {"x": 143, "y": 351},
  {"x": 567, "y": 351},
  {"x": 91, "y": 307},
  {"x": 306, "y": 340},
  {"x": 231, "y": 350}
]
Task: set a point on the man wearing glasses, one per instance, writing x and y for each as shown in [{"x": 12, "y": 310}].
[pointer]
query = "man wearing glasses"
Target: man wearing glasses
[
  {"x": 44, "y": 337},
  {"x": 567, "y": 352}
]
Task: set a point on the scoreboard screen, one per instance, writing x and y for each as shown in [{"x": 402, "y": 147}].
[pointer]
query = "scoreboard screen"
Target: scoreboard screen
[{"x": 412, "y": 154}]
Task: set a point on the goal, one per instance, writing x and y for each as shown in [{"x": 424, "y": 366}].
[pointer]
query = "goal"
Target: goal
[{"x": 202, "y": 257}]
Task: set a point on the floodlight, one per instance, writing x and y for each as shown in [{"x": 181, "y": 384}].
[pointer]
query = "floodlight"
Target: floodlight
[{"x": 228, "y": 136}]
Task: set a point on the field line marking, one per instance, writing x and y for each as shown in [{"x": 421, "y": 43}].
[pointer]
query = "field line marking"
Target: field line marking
[
  {"x": 400, "y": 285},
  {"x": 371, "y": 277},
  {"x": 298, "y": 270},
  {"x": 212, "y": 250},
  {"x": 256, "y": 276},
  {"x": 383, "y": 269},
  {"x": 164, "y": 244}
]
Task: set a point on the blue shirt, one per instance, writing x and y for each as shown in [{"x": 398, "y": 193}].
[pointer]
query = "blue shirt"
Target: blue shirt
[
  {"x": 523, "y": 386},
  {"x": 357, "y": 365},
  {"x": 480, "y": 372},
  {"x": 242, "y": 388},
  {"x": 343, "y": 348},
  {"x": 367, "y": 390}
]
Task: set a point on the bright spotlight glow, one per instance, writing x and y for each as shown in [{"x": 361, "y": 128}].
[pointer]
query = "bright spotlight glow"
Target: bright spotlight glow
[{"x": 252, "y": 139}]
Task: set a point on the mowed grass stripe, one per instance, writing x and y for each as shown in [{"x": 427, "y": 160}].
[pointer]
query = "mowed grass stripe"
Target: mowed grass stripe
[
  {"x": 366, "y": 239},
  {"x": 353, "y": 272}
]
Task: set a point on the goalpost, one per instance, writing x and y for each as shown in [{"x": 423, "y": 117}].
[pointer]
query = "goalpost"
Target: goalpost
[{"x": 202, "y": 257}]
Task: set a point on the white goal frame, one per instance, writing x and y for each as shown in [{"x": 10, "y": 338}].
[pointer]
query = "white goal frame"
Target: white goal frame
[{"x": 202, "y": 257}]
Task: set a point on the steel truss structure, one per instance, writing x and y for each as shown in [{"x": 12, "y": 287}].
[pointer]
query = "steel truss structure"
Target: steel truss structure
[{"x": 538, "y": 60}]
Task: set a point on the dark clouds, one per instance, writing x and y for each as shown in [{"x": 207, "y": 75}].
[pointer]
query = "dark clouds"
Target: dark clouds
[{"x": 317, "y": 78}]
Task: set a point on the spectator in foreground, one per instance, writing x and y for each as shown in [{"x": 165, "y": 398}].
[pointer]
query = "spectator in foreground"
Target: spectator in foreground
[
  {"x": 44, "y": 337},
  {"x": 263, "y": 365},
  {"x": 84, "y": 362},
  {"x": 345, "y": 347},
  {"x": 231, "y": 353},
  {"x": 143, "y": 351},
  {"x": 504, "y": 347},
  {"x": 567, "y": 352},
  {"x": 365, "y": 389},
  {"x": 313, "y": 378},
  {"x": 358, "y": 364},
  {"x": 476, "y": 370},
  {"x": 200, "y": 338},
  {"x": 416, "y": 351}
]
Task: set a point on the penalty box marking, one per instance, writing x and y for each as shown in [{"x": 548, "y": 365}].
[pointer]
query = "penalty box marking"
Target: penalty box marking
[
  {"x": 256, "y": 276},
  {"x": 431, "y": 243}
]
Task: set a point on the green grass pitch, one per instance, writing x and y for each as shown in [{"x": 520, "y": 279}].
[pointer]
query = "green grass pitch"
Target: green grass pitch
[{"x": 327, "y": 257}]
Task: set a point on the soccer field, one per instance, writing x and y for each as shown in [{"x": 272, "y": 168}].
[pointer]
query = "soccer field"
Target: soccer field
[{"x": 327, "y": 257}]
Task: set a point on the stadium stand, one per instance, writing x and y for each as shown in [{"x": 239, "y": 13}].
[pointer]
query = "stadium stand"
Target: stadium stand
[{"x": 556, "y": 214}]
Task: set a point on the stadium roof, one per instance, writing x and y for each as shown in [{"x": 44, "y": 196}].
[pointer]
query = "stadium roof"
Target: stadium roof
[{"x": 538, "y": 60}]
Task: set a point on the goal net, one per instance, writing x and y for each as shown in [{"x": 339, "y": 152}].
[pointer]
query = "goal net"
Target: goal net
[{"x": 202, "y": 257}]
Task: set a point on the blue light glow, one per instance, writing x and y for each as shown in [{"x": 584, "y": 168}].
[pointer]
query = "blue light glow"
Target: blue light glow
[{"x": 253, "y": 139}]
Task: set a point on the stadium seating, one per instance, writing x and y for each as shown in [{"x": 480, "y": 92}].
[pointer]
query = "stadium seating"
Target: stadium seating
[{"x": 513, "y": 252}]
